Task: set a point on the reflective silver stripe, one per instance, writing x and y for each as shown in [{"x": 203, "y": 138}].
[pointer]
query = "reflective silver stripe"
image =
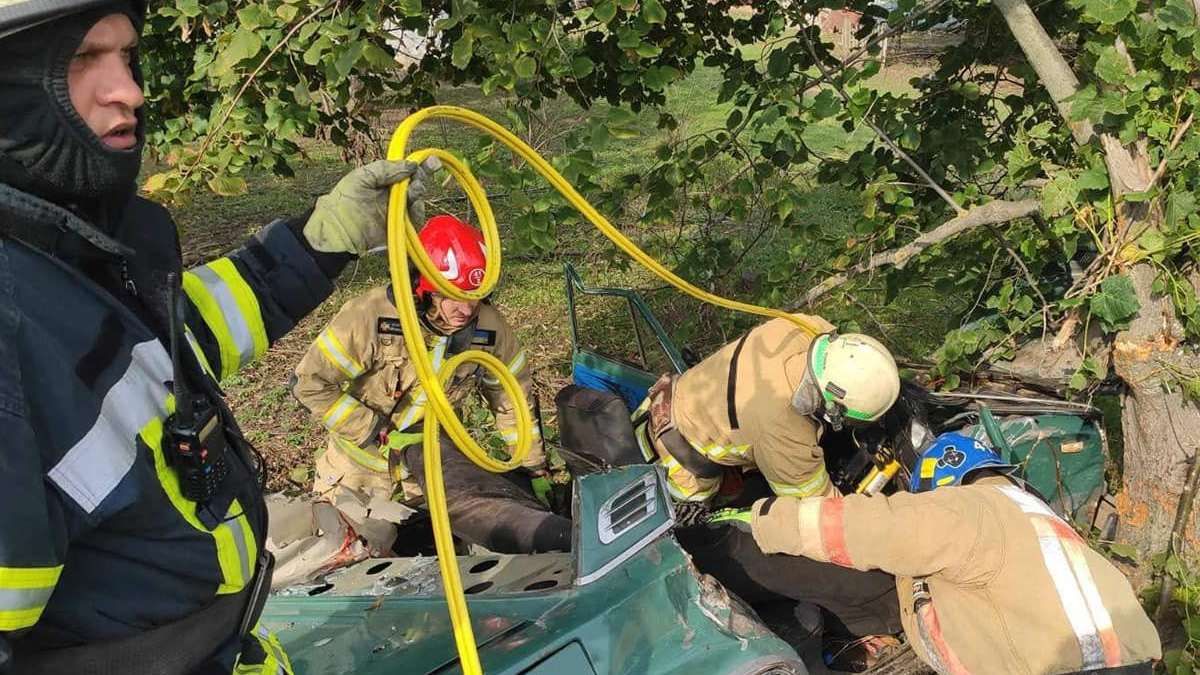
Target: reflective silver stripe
[
  {"x": 95, "y": 465},
  {"x": 14, "y": 599},
  {"x": 815, "y": 485},
  {"x": 239, "y": 540},
  {"x": 1073, "y": 581},
  {"x": 518, "y": 362},
  {"x": 198, "y": 351},
  {"x": 339, "y": 411},
  {"x": 332, "y": 348},
  {"x": 234, "y": 320},
  {"x": 510, "y": 435}
]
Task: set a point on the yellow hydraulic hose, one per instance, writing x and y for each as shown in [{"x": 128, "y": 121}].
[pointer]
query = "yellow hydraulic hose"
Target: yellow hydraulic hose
[{"x": 404, "y": 243}]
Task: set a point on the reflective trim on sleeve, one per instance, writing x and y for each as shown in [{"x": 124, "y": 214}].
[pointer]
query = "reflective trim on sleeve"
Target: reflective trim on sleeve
[
  {"x": 199, "y": 352},
  {"x": 230, "y": 308},
  {"x": 274, "y": 660},
  {"x": 95, "y": 465},
  {"x": 24, "y": 592},
  {"x": 817, "y": 484},
  {"x": 515, "y": 367},
  {"x": 232, "y": 539},
  {"x": 235, "y": 546},
  {"x": 510, "y": 435},
  {"x": 716, "y": 451},
  {"x": 1062, "y": 553},
  {"x": 336, "y": 354},
  {"x": 373, "y": 461},
  {"x": 339, "y": 411}
]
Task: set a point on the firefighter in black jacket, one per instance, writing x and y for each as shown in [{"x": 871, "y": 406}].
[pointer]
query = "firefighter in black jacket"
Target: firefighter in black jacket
[{"x": 131, "y": 514}]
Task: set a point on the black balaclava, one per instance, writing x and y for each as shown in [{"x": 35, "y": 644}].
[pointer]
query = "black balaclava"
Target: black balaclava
[{"x": 46, "y": 149}]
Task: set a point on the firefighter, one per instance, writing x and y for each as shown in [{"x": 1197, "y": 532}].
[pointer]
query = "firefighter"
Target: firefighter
[
  {"x": 760, "y": 402},
  {"x": 131, "y": 512},
  {"x": 989, "y": 580},
  {"x": 358, "y": 381}
]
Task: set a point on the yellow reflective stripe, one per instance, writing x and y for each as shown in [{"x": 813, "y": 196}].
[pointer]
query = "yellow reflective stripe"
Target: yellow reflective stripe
[
  {"x": 515, "y": 367},
  {"x": 24, "y": 592},
  {"x": 210, "y": 311},
  {"x": 235, "y": 549},
  {"x": 510, "y": 435},
  {"x": 275, "y": 660},
  {"x": 199, "y": 352},
  {"x": 236, "y": 563},
  {"x": 339, "y": 411},
  {"x": 412, "y": 415},
  {"x": 230, "y": 309},
  {"x": 717, "y": 451},
  {"x": 815, "y": 485},
  {"x": 370, "y": 460},
  {"x": 641, "y": 433},
  {"x": 16, "y": 619},
  {"x": 29, "y": 577},
  {"x": 249, "y": 313},
  {"x": 518, "y": 363},
  {"x": 337, "y": 355}
]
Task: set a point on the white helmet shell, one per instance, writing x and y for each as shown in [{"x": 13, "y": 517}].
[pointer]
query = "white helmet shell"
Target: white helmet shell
[{"x": 856, "y": 373}]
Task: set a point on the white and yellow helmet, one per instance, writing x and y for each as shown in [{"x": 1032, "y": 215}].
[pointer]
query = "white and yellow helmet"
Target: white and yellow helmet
[{"x": 856, "y": 376}]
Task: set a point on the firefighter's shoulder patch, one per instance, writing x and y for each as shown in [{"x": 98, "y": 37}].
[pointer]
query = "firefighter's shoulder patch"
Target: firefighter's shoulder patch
[
  {"x": 484, "y": 337},
  {"x": 388, "y": 326}
]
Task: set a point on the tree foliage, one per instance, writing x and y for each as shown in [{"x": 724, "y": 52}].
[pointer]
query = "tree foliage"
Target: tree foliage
[{"x": 240, "y": 84}]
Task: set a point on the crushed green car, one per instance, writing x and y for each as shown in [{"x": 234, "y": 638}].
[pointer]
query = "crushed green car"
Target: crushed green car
[{"x": 626, "y": 600}]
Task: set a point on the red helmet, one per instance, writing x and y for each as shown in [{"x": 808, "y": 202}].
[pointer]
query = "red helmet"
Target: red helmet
[{"x": 457, "y": 249}]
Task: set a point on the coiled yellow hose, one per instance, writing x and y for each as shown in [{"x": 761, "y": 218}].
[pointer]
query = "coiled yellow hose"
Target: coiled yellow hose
[{"x": 404, "y": 243}]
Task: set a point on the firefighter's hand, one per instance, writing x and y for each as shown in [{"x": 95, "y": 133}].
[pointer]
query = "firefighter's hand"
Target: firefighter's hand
[
  {"x": 352, "y": 218},
  {"x": 542, "y": 489},
  {"x": 739, "y": 518}
]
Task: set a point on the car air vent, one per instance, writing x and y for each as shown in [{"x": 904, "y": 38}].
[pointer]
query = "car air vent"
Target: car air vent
[{"x": 631, "y": 505}]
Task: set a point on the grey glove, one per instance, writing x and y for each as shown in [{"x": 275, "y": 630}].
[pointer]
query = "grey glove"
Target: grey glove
[{"x": 352, "y": 218}]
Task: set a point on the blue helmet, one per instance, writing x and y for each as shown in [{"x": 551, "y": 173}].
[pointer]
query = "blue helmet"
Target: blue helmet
[{"x": 950, "y": 459}]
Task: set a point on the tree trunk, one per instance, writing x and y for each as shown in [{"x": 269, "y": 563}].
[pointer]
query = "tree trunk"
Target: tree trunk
[{"x": 1161, "y": 429}]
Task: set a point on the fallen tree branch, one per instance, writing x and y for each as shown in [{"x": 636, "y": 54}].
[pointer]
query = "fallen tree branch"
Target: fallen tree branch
[{"x": 991, "y": 213}]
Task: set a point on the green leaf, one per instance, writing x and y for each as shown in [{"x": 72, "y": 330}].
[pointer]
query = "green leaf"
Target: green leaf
[
  {"x": 778, "y": 64},
  {"x": 228, "y": 186},
  {"x": 1059, "y": 194},
  {"x": 911, "y": 138},
  {"x": 312, "y": 55},
  {"x": 826, "y": 104},
  {"x": 1126, "y": 551},
  {"x": 1108, "y": 11},
  {"x": 1180, "y": 203},
  {"x": 1178, "y": 16},
  {"x": 647, "y": 50},
  {"x": 1111, "y": 66},
  {"x": 464, "y": 48},
  {"x": 604, "y": 11},
  {"x": 287, "y": 12},
  {"x": 1116, "y": 303},
  {"x": 653, "y": 12},
  {"x": 189, "y": 8},
  {"x": 525, "y": 67},
  {"x": 243, "y": 45},
  {"x": 1093, "y": 179},
  {"x": 300, "y": 475},
  {"x": 582, "y": 66},
  {"x": 348, "y": 58},
  {"x": 254, "y": 16},
  {"x": 411, "y": 7},
  {"x": 378, "y": 57},
  {"x": 156, "y": 182}
]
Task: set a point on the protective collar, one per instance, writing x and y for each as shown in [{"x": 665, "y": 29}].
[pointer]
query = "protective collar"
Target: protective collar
[{"x": 46, "y": 149}]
